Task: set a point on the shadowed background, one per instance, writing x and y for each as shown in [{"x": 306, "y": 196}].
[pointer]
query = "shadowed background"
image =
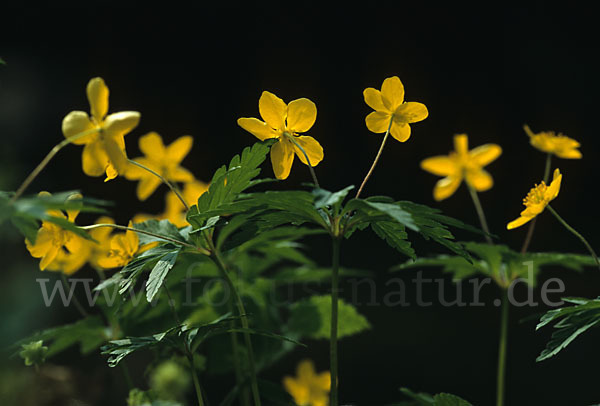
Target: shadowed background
[{"x": 480, "y": 71}]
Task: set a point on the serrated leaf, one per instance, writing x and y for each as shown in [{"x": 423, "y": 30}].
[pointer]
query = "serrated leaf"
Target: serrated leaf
[
  {"x": 131, "y": 272},
  {"x": 159, "y": 227},
  {"x": 312, "y": 318},
  {"x": 159, "y": 273},
  {"x": 325, "y": 198},
  {"x": 395, "y": 236}
]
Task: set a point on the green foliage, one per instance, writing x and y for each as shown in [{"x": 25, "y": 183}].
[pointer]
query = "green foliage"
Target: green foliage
[
  {"x": 500, "y": 263},
  {"x": 572, "y": 321},
  {"x": 90, "y": 333},
  {"x": 25, "y": 213},
  {"x": 395, "y": 235},
  {"x": 159, "y": 227},
  {"x": 34, "y": 353},
  {"x": 159, "y": 273},
  {"x": 312, "y": 318},
  {"x": 170, "y": 380},
  {"x": 424, "y": 399}
]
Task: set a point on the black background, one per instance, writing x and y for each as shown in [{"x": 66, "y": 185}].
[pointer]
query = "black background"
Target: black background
[{"x": 482, "y": 70}]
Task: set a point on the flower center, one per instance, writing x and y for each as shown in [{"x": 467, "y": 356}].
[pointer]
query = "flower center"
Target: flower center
[{"x": 536, "y": 195}]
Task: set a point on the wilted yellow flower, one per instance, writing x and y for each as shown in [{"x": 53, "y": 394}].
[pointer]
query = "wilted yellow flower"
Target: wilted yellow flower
[
  {"x": 104, "y": 150},
  {"x": 391, "y": 111},
  {"x": 462, "y": 164},
  {"x": 285, "y": 122},
  {"x": 123, "y": 247},
  {"x": 163, "y": 160},
  {"x": 559, "y": 145},
  {"x": 52, "y": 240},
  {"x": 537, "y": 199},
  {"x": 308, "y": 388}
]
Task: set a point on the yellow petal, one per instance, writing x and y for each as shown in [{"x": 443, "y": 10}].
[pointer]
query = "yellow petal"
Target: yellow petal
[
  {"x": 273, "y": 110},
  {"x": 392, "y": 92},
  {"x": 378, "y": 122},
  {"x": 180, "y": 174},
  {"x": 77, "y": 122},
  {"x": 116, "y": 155},
  {"x": 101, "y": 234},
  {"x": 569, "y": 154},
  {"x": 282, "y": 158},
  {"x": 111, "y": 172},
  {"x": 43, "y": 243},
  {"x": 554, "y": 187},
  {"x": 481, "y": 180},
  {"x": 312, "y": 148},
  {"x": 518, "y": 222},
  {"x": 323, "y": 381},
  {"x": 72, "y": 214},
  {"x": 152, "y": 146},
  {"x": 147, "y": 186},
  {"x": 94, "y": 158},
  {"x": 484, "y": 154},
  {"x": 49, "y": 256},
  {"x": 193, "y": 190},
  {"x": 400, "y": 131},
  {"x": 305, "y": 371},
  {"x": 444, "y": 188},
  {"x": 411, "y": 112},
  {"x": 134, "y": 172},
  {"x": 301, "y": 115},
  {"x": 298, "y": 391},
  {"x": 439, "y": 165},
  {"x": 259, "y": 129},
  {"x": 97, "y": 94},
  {"x": 374, "y": 100},
  {"x": 179, "y": 149},
  {"x": 461, "y": 144},
  {"x": 133, "y": 240},
  {"x": 119, "y": 124}
]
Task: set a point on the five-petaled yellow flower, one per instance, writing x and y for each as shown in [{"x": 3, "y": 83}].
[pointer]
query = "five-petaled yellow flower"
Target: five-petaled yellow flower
[
  {"x": 123, "y": 247},
  {"x": 462, "y": 164},
  {"x": 104, "y": 150},
  {"x": 163, "y": 160},
  {"x": 54, "y": 242},
  {"x": 285, "y": 122},
  {"x": 537, "y": 199},
  {"x": 308, "y": 388},
  {"x": 391, "y": 111},
  {"x": 559, "y": 145}
]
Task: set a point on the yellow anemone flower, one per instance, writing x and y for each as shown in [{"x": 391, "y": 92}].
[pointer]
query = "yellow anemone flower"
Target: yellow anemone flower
[
  {"x": 104, "y": 150},
  {"x": 123, "y": 247},
  {"x": 537, "y": 199},
  {"x": 391, "y": 111},
  {"x": 162, "y": 160},
  {"x": 462, "y": 164},
  {"x": 308, "y": 388},
  {"x": 52, "y": 240},
  {"x": 285, "y": 122},
  {"x": 559, "y": 145}
]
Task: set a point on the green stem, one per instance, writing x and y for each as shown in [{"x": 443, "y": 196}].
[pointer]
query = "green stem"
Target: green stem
[
  {"x": 502, "y": 350},
  {"x": 532, "y": 223},
  {"x": 164, "y": 180},
  {"x": 310, "y": 167},
  {"x": 216, "y": 257},
  {"x": 572, "y": 230},
  {"x": 76, "y": 302},
  {"x": 38, "y": 169},
  {"x": 197, "y": 386},
  {"x": 480, "y": 213},
  {"x": 245, "y": 395},
  {"x": 385, "y": 137},
  {"x": 333, "y": 350},
  {"x": 126, "y": 375}
]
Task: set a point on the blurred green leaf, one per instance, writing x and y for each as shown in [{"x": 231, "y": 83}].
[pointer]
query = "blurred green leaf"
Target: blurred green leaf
[{"x": 425, "y": 399}]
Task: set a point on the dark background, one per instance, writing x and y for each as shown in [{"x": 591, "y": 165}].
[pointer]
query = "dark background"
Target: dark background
[{"x": 481, "y": 70}]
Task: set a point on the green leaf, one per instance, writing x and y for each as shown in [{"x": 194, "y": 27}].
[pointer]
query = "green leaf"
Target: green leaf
[
  {"x": 312, "y": 318},
  {"x": 325, "y": 198},
  {"x": 159, "y": 273},
  {"x": 34, "y": 353},
  {"x": 119, "y": 349},
  {"x": 441, "y": 399},
  {"x": 572, "y": 322},
  {"x": 159, "y": 227},
  {"x": 395, "y": 235},
  {"x": 132, "y": 271},
  {"x": 27, "y": 226},
  {"x": 382, "y": 211}
]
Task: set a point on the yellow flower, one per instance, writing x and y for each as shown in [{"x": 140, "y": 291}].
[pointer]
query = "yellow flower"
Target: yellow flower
[
  {"x": 163, "y": 160},
  {"x": 559, "y": 145},
  {"x": 462, "y": 164},
  {"x": 285, "y": 122},
  {"x": 123, "y": 247},
  {"x": 391, "y": 111},
  {"x": 52, "y": 240},
  {"x": 102, "y": 247},
  {"x": 308, "y": 388},
  {"x": 104, "y": 150},
  {"x": 537, "y": 199}
]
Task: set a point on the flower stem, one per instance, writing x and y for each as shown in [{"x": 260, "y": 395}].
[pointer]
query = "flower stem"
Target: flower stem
[
  {"x": 532, "y": 224},
  {"x": 197, "y": 386},
  {"x": 164, "y": 180},
  {"x": 310, "y": 167},
  {"x": 76, "y": 302},
  {"x": 216, "y": 257},
  {"x": 480, "y": 213},
  {"x": 385, "y": 137},
  {"x": 502, "y": 350},
  {"x": 333, "y": 353},
  {"x": 572, "y": 230},
  {"x": 38, "y": 169}
]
